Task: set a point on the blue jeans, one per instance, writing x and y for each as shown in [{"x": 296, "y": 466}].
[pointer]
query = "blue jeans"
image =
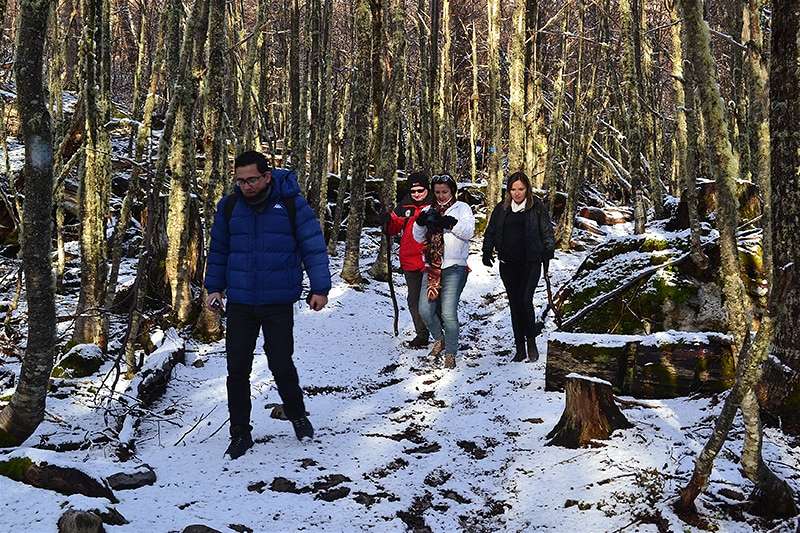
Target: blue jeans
[{"x": 441, "y": 315}]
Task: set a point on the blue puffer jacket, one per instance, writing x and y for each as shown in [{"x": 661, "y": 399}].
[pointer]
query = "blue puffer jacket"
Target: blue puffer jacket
[{"x": 256, "y": 260}]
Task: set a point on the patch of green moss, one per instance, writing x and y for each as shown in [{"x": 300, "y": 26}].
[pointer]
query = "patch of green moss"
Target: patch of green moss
[
  {"x": 654, "y": 243},
  {"x": 16, "y": 467}
]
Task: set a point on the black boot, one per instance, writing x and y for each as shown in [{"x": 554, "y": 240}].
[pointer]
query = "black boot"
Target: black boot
[
  {"x": 241, "y": 441},
  {"x": 520, "y": 355},
  {"x": 533, "y": 351},
  {"x": 419, "y": 342},
  {"x": 303, "y": 428}
]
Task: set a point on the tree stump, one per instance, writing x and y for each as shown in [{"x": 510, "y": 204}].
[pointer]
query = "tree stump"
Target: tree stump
[{"x": 590, "y": 413}]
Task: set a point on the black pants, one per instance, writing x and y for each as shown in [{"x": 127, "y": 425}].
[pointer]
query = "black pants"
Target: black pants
[
  {"x": 520, "y": 280},
  {"x": 243, "y": 324},
  {"x": 414, "y": 285}
]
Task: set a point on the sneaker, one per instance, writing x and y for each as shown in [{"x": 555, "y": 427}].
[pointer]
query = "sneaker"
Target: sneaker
[
  {"x": 303, "y": 428},
  {"x": 240, "y": 443},
  {"x": 449, "y": 360},
  {"x": 418, "y": 342},
  {"x": 533, "y": 351},
  {"x": 438, "y": 346}
]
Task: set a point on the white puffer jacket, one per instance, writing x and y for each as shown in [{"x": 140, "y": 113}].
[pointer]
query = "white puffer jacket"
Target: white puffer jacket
[{"x": 456, "y": 240}]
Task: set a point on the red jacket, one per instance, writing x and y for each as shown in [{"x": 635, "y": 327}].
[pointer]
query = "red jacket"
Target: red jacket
[{"x": 401, "y": 220}]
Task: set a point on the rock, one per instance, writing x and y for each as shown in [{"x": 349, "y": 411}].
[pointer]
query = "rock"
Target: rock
[
  {"x": 330, "y": 481},
  {"x": 425, "y": 448},
  {"x": 199, "y": 528},
  {"x": 475, "y": 451},
  {"x": 333, "y": 494},
  {"x": 623, "y": 288},
  {"x": 240, "y": 528},
  {"x": 66, "y": 480},
  {"x": 456, "y": 497},
  {"x": 81, "y": 361},
  {"x": 607, "y": 216},
  {"x": 80, "y": 522},
  {"x": 437, "y": 478},
  {"x": 662, "y": 365},
  {"x": 144, "y": 475},
  {"x": 281, "y": 484}
]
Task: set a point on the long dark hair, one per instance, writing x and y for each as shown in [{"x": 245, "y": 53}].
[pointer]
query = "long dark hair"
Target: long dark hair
[{"x": 519, "y": 176}]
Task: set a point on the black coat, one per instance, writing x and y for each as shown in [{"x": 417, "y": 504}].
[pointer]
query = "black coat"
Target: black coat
[{"x": 540, "y": 242}]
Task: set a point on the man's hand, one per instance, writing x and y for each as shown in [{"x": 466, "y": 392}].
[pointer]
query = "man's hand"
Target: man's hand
[
  {"x": 317, "y": 301},
  {"x": 215, "y": 301},
  {"x": 546, "y": 266},
  {"x": 487, "y": 260}
]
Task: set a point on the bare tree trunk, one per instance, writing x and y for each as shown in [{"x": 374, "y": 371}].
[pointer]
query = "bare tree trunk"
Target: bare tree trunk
[
  {"x": 473, "y": 109},
  {"x": 322, "y": 71},
  {"x": 361, "y": 106},
  {"x": 208, "y": 325},
  {"x": 142, "y": 137},
  {"x": 141, "y": 66},
  {"x": 387, "y": 163},
  {"x": 346, "y": 154},
  {"x": 91, "y": 325},
  {"x": 725, "y": 165},
  {"x": 758, "y": 81},
  {"x": 248, "y": 120},
  {"x": 784, "y": 389},
  {"x": 20, "y": 418},
  {"x": 559, "y": 90},
  {"x": 154, "y": 207},
  {"x": 535, "y": 137},
  {"x": 635, "y": 124},
  {"x": 294, "y": 79},
  {"x": 516, "y": 83},
  {"x": 182, "y": 165},
  {"x": 495, "y": 185},
  {"x": 425, "y": 114},
  {"x": 445, "y": 123},
  {"x": 689, "y": 163},
  {"x": 772, "y": 492}
]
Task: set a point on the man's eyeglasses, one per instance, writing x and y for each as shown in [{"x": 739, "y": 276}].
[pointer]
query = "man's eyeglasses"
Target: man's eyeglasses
[{"x": 252, "y": 180}]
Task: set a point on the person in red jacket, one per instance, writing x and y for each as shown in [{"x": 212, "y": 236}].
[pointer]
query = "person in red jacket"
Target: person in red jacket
[{"x": 401, "y": 220}]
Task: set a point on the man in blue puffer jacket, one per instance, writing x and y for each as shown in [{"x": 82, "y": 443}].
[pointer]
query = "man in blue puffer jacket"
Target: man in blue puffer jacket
[{"x": 258, "y": 251}]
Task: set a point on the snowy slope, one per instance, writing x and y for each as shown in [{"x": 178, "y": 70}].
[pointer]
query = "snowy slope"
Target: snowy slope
[{"x": 414, "y": 445}]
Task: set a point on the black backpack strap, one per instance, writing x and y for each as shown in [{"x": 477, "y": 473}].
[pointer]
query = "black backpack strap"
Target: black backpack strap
[{"x": 230, "y": 204}]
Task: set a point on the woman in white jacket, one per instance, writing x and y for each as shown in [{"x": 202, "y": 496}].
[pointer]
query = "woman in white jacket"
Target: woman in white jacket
[{"x": 446, "y": 228}]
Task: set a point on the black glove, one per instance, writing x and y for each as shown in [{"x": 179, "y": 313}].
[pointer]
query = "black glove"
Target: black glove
[
  {"x": 487, "y": 260},
  {"x": 448, "y": 222},
  {"x": 422, "y": 219},
  {"x": 430, "y": 219},
  {"x": 384, "y": 215},
  {"x": 546, "y": 265},
  {"x": 548, "y": 254}
]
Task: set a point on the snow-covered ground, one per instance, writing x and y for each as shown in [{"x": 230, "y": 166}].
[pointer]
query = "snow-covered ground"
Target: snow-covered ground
[{"x": 401, "y": 442}]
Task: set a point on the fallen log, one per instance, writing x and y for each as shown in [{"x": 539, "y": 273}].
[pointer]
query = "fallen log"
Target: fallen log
[
  {"x": 590, "y": 414},
  {"x": 45, "y": 470}
]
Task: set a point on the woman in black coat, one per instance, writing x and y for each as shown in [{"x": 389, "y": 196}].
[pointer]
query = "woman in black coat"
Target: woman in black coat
[{"x": 521, "y": 232}]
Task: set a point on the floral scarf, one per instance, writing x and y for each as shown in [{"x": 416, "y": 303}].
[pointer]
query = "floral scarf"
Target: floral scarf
[{"x": 434, "y": 252}]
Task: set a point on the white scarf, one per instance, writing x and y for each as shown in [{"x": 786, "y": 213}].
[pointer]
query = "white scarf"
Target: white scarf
[{"x": 516, "y": 208}]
